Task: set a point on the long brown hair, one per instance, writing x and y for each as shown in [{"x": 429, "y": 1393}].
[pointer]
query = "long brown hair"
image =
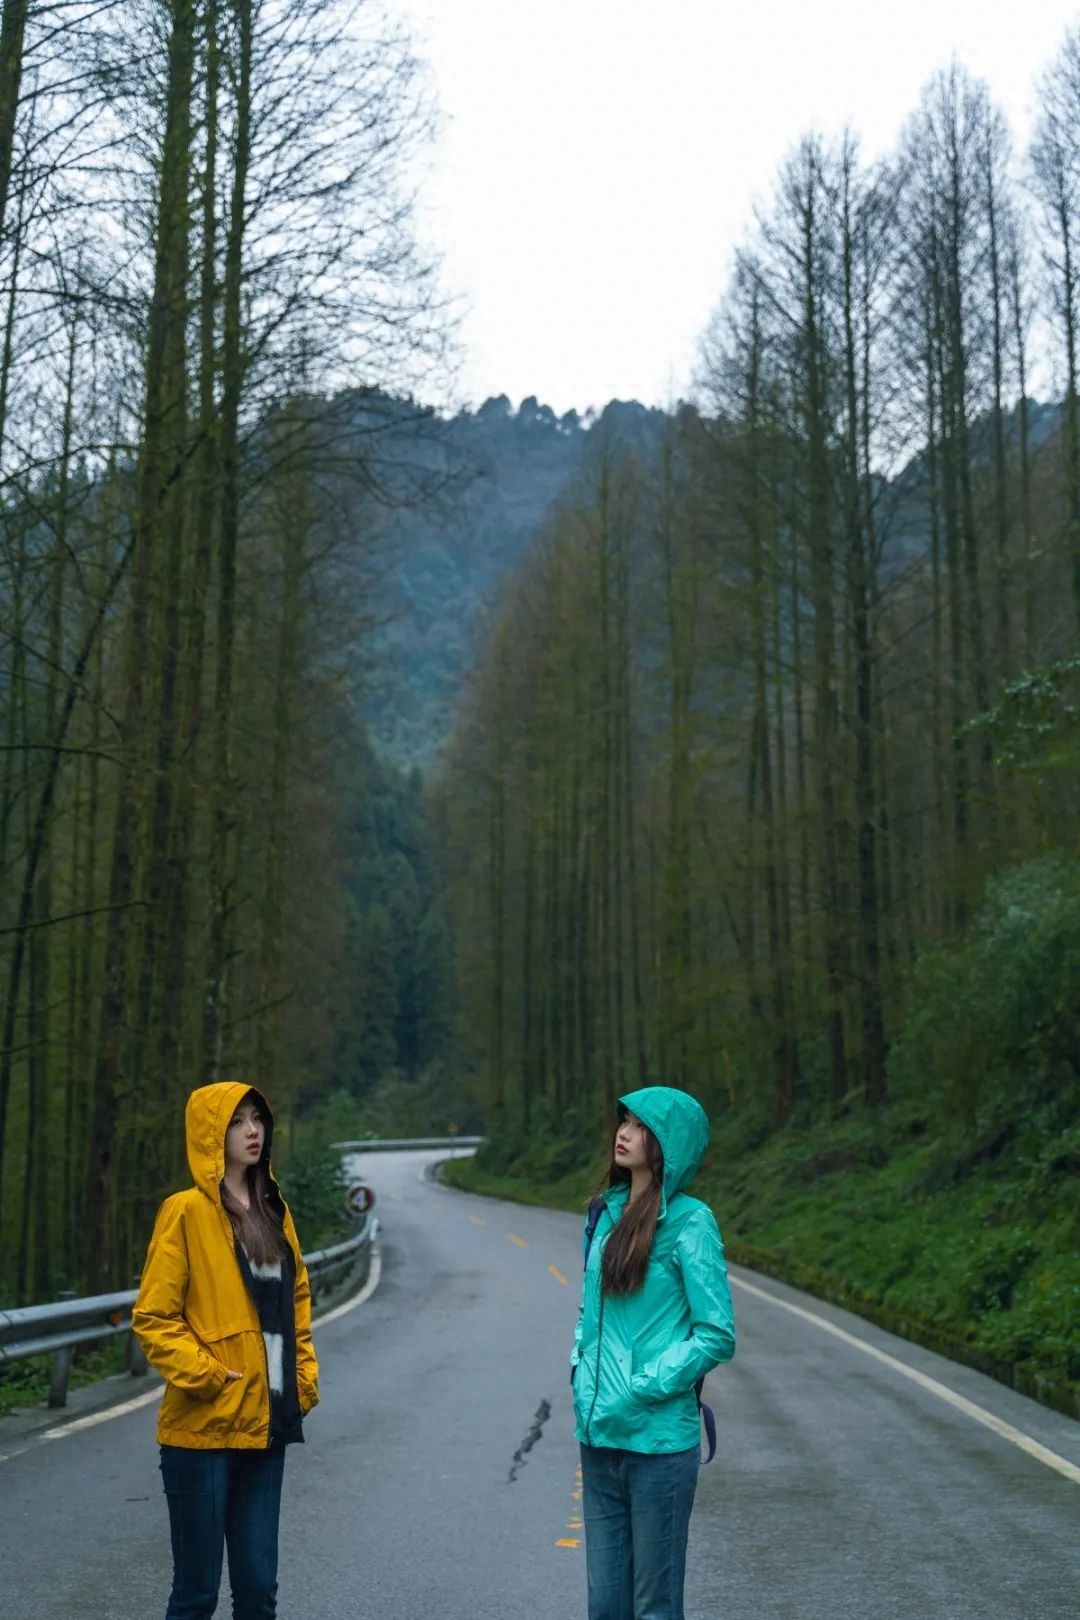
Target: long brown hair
[
  {"x": 626, "y": 1252},
  {"x": 259, "y": 1227}
]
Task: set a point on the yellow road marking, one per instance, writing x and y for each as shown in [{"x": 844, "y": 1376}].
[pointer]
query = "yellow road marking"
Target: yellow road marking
[
  {"x": 477, "y": 1221},
  {"x": 1017, "y": 1437},
  {"x": 557, "y": 1274},
  {"x": 521, "y": 1243},
  {"x": 575, "y": 1519}
]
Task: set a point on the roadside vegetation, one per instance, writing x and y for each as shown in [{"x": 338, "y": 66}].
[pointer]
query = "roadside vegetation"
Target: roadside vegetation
[
  {"x": 949, "y": 1215},
  {"x": 765, "y": 781},
  {"x": 768, "y": 781}
]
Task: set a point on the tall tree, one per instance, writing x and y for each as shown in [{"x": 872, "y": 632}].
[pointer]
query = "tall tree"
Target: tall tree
[{"x": 1055, "y": 165}]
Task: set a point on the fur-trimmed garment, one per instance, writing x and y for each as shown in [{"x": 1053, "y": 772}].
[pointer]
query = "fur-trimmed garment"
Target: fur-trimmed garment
[{"x": 271, "y": 1289}]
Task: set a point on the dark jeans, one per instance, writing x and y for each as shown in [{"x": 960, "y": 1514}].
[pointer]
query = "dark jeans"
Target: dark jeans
[
  {"x": 637, "y": 1518},
  {"x": 219, "y": 1499}
]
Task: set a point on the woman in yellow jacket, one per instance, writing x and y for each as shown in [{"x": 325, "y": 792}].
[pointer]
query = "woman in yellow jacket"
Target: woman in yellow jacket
[{"x": 224, "y": 1314}]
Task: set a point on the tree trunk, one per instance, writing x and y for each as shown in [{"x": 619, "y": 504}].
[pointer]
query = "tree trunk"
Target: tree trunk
[
  {"x": 160, "y": 461},
  {"x": 232, "y": 377}
]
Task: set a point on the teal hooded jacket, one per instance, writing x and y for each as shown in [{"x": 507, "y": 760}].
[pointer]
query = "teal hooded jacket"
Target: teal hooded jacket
[{"x": 637, "y": 1357}]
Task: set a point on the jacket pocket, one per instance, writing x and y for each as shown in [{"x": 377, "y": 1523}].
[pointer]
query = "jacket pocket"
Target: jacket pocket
[
  {"x": 617, "y": 1393},
  {"x": 217, "y": 1332},
  {"x": 236, "y": 1345},
  {"x": 241, "y": 1405},
  {"x": 240, "y": 1351},
  {"x": 183, "y": 1412}
]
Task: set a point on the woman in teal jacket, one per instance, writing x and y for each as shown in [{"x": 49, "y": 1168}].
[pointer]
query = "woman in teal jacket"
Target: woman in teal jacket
[{"x": 655, "y": 1317}]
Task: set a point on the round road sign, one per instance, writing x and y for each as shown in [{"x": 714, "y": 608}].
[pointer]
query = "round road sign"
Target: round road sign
[{"x": 359, "y": 1198}]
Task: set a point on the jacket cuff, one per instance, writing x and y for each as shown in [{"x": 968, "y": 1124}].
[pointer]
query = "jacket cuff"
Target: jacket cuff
[
  {"x": 644, "y": 1387},
  {"x": 218, "y": 1381}
]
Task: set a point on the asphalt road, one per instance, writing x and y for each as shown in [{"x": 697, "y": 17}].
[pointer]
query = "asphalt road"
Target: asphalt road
[{"x": 438, "y": 1482}]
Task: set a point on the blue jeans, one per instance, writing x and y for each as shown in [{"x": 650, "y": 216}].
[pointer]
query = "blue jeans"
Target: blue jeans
[
  {"x": 637, "y": 1519},
  {"x": 218, "y": 1499}
]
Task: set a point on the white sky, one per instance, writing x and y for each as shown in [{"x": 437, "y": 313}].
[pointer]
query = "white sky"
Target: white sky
[{"x": 599, "y": 159}]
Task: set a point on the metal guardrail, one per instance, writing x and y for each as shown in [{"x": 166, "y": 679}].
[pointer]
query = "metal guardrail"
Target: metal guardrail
[
  {"x": 329, "y": 1270},
  {"x": 57, "y": 1329},
  {"x": 388, "y": 1144},
  {"x": 35, "y": 1330}
]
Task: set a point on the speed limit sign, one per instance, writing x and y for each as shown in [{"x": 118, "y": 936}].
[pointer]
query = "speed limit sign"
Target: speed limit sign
[{"x": 359, "y": 1198}]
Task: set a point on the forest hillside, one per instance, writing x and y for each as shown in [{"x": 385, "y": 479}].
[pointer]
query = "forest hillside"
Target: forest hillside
[
  {"x": 767, "y": 783},
  {"x": 473, "y": 769}
]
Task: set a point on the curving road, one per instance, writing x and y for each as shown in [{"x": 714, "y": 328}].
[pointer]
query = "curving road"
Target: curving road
[{"x": 859, "y": 1478}]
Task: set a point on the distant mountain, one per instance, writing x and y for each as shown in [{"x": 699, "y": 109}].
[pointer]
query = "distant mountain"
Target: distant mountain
[
  {"x": 490, "y": 475},
  {"x": 463, "y": 498}
]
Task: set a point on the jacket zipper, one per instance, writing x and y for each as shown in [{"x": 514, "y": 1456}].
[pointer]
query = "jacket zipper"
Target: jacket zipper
[
  {"x": 262, "y": 1341},
  {"x": 269, "y": 1394},
  {"x": 599, "y": 1347}
]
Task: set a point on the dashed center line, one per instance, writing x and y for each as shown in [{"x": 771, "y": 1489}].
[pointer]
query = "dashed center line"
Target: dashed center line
[
  {"x": 521, "y": 1243},
  {"x": 477, "y": 1221},
  {"x": 574, "y": 1519},
  {"x": 557, "y": 1274}
]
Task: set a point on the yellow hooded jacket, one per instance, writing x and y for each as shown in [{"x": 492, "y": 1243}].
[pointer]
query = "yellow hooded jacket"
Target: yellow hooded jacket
[{"x": 194, "y": 1316}]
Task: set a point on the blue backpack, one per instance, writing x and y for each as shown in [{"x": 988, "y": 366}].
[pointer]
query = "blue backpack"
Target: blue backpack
[{"x": 708, "y": 1416}]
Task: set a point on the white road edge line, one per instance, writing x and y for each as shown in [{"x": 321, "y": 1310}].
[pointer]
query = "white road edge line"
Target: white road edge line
[
  {"x": 1016, "y": 1437},
  {"x": 92, "y": 1419}
]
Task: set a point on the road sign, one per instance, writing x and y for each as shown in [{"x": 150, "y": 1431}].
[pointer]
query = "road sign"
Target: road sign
[{"x": 359, "y": 1198}]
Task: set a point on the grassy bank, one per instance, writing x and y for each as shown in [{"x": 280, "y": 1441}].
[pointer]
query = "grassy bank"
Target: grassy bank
[
  {"x": 25, "y": 1384},
  {"x": 972, "y": 1251}
]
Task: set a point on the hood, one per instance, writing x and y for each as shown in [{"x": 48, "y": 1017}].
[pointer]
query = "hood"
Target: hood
[
  {"x": 679, "y": 1124},
  {"x": 206, "y": 1119}
]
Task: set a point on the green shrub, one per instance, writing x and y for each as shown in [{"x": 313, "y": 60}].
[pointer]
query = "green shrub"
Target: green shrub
[
  {"x": 313, "y": 1181},
  {"x": 992, "y": 1026}
]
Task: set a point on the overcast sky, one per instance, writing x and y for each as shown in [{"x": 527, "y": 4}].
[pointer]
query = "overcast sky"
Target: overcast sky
[{"x": 599, "y": 160}]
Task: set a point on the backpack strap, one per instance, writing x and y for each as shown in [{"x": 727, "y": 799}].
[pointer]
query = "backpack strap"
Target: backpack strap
[
  {"x": 708, "y": 1417},
  {"x": 596, "y": 1205}
]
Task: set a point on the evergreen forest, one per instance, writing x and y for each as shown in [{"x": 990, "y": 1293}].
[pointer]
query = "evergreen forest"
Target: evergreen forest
[{"x": 467, "y": 770}]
